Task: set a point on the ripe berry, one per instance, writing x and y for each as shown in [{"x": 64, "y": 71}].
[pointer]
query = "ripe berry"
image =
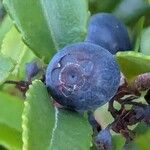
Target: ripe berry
[
  {"x": 82, "y": 76},
  {"x": 103, "y": 140},
  {"x": 107, "y": 31}
]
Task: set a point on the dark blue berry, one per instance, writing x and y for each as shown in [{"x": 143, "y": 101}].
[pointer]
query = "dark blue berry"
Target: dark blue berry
[
  {"x": 147, "y": 115},
  {"x": 103, "y": 140},
  {"x": 107, "y": 31},
  {"x": 142, "y": 113},
  {"x": 82, "y": 76}
]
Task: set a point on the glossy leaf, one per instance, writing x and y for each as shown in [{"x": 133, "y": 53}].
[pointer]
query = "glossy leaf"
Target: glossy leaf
[
  {"x": 133, "y": 63},
  {"x": 49, "y": 25},
  {"x": 43, "y": 125},
  {"x": 10, "y": 121},
  {"x": 6, "y": 66}
]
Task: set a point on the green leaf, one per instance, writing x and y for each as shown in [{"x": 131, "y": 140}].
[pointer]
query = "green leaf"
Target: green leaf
[
  {"x": 10, "y": 138},
  {"x": 131, "y": 146},
  {"x": 46, "y": 127},
  {"x": 5, "y": 27},
  {"x": 143, "y": 141},
  {"x": 133, "y": 63},
  {"x": 102, "y": 5},
  {"x": 6, "y": 66},
  {"x": 11, "y": 111},
  {"x": 71, "y": 130},
  {"x": 138, "y": 32},
  {"x": 49, "y": 25},
  {"x": 27, "y": 58},
  {"x": 131, "y": 10},
  {"x": 118, "y": 142},
  {"x": 139, "y": 143},
  {"x": 38, "y": 118},
  {"x": 145, "y": 41},
  {"x": 141, "y": 129},
  {"x": 10, "y": 121},
  {"x": 12, "y": 45},
  {"x": 14, "y": 48}
]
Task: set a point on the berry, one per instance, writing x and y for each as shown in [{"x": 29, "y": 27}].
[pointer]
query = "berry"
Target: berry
[
  {"x": 107, "y": 31},
  {"x": 82, "y": 76},
  {"x": 147, "y": 115},
  {"x": 103, "y": 140},
  {"x": 142, "y": 114}
]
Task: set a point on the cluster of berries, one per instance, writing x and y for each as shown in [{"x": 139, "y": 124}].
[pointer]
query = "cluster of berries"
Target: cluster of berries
[{"x": 84, "y": 76}]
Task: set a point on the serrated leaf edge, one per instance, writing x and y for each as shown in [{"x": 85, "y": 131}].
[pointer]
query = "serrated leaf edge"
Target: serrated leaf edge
[
  {"x": 25, "y": 126},
  {"x": 25, "y": 120}
]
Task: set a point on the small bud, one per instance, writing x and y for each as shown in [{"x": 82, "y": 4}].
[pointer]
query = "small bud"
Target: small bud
[{"x": 31, "y": 70}]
